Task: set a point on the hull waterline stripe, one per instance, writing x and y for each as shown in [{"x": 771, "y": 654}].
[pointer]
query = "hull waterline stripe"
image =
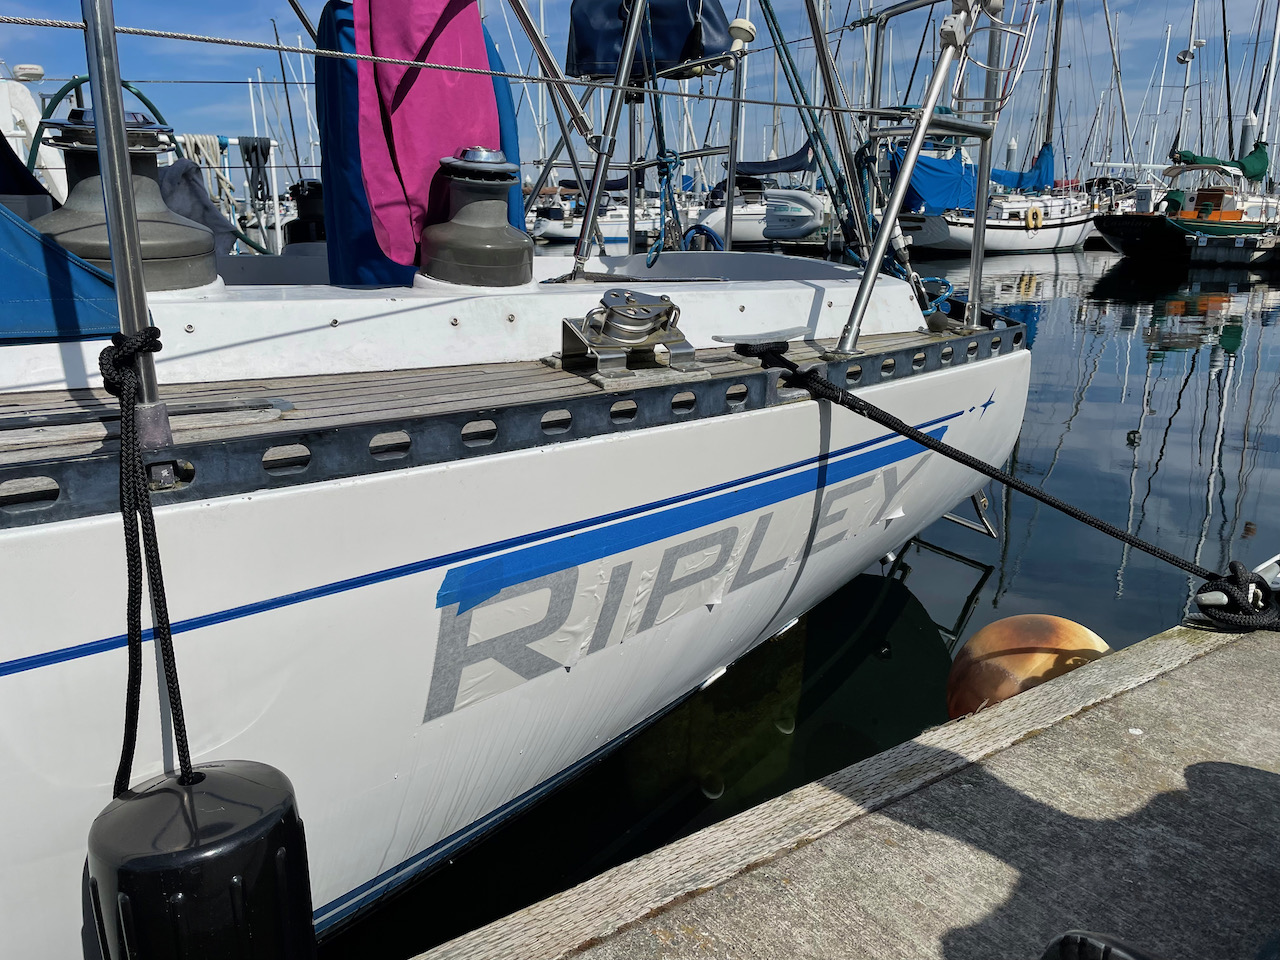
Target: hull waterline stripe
[
  {"x": 474, "y": 583},
  {"x": 368, "y": 892},
  {"x": 35, "y": 661}
]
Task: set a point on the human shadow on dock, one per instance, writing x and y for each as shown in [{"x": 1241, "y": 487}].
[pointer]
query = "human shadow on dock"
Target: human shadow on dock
[{"x": 1193, "y": 873}]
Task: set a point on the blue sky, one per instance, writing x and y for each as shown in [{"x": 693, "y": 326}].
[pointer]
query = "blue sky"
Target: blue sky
[{"x": 220, "y": 102}]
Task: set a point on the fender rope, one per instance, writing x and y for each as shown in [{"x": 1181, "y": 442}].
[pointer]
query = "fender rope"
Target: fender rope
[
  {"x": 118, "y": 365},
  {"x": 1250, "y": 604}
]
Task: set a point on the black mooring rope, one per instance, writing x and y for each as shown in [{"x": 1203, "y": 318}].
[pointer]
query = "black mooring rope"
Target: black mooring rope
[
  {"x": 1250, "y": 603},
  {"x": 118, "y": 364}
]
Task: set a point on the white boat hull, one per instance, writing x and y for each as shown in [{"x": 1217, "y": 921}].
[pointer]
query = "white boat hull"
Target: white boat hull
[
  {"x": 783, "y": 215},
  {"x": 950, "y": 233},
  {"x": 613, "y": 228},
  {"x": 421, "y": 650}
]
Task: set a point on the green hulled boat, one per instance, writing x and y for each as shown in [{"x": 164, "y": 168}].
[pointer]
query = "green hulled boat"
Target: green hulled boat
[{"x": 1223, "y": 202}]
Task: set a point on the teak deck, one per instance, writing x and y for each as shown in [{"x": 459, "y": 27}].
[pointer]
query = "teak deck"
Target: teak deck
[{"x": 39, "y": 426}]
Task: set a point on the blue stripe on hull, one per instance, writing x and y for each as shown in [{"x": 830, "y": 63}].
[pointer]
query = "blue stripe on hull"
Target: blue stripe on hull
[
  {"x": 476, "y": 582},
  {"x": 339, "y": 909}
]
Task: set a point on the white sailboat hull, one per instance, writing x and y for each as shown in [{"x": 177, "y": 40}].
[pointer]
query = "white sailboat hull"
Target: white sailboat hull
[
  {"x": 422, "y": 649},
  {"x": 781, "y": 215},
  {"x": 952, "y": 233},
  {"x": 325, "y": 628},
  {"x": 613, "y": 228}
]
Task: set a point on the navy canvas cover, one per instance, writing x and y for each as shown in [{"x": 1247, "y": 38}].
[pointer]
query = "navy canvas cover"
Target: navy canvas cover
[
  {"x": 1039, "y": 177},
  {"x": 802, "y": 160},
  {"x": 952, "y": 184},
  {"x": 47, "y": 293},
  {"x": 682, "y": 30},
  {"x": 937, "y": 184},
  {"x": 618, "y": 183}
]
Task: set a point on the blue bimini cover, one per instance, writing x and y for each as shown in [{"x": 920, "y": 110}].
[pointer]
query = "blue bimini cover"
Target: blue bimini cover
[
  {"x": 1039, "y": 177},
  {"x": 508, "y": 129},
  {"x": 355, "y": 259},
  {"x": 937, "y": 184},
  {"x": 48, "y": 293}
]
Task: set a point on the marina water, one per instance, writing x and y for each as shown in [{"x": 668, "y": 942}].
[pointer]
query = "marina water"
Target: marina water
[{"x": 1152, "y": 405}]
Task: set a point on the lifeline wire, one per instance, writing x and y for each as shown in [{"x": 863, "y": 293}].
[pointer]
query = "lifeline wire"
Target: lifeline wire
[
  {"x": 1255, "y": 606},
  {"x": 449, "y": 68}
]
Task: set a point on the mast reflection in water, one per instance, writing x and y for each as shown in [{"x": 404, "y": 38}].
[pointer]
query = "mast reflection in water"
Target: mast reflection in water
[{"x": 1152, "y": 405}]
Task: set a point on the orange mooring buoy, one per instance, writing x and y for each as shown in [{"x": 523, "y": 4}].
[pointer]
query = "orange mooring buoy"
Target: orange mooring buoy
[{"x": 1015, "y": 654}]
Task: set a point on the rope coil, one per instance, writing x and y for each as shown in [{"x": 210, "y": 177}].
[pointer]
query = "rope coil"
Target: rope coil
[
  {"x": 1245, "y": 600},
  {"x": 118, "y": 364}
]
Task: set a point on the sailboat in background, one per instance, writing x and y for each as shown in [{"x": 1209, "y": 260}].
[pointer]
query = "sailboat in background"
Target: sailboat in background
[
  {"x": 1033, "y": 217},
  {"x": 1033, "y": 213},
  {"x": 1209, "y": 200},
  {"x": 1208, "y": 197},
  {"x": 559, "y": 218},
  {"x": 762, "y": 210}
]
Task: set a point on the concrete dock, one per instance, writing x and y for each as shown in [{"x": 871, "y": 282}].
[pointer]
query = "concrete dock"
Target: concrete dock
[{"x": 1138, "y": 795}]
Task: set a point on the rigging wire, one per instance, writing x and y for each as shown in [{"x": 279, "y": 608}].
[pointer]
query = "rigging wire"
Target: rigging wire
[{"x": 423, "y": 64}]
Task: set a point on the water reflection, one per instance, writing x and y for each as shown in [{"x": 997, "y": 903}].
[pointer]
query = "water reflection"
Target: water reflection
[{"x": 1151, "y": 405}]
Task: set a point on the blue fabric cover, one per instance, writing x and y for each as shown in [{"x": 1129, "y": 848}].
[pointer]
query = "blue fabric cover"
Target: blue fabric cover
[
  {"x": 682, "y": 30},
  {"x": 619, "y": 183},
  {"x": 509, "y": 130},
  {"x": 47, "y": 292},
  {"x": 355, "y": 259},
  {"x": 938, "y": 185},
  {"x": 1039, "y": 177}
]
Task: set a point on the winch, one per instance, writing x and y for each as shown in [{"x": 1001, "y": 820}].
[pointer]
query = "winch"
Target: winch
[
  {"x": 176, "y": 252},
  {"x": 477, "y": 244}
]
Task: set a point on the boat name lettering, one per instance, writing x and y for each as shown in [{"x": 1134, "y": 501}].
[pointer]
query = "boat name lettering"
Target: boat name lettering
[{"x": 550, "y": 622}]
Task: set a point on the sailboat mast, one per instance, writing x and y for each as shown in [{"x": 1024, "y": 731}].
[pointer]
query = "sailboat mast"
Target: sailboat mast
[
  {"x": 1186, "y": 59},
  {"x": 1155, "y": 123},
  {"x": 1271, "y": 72},
  {"x": 1053, "y": 73},
  {"x": 1226, "y": 72},
  {"x": 541, "y": 121},
  {"x": 777, "y": 114},
  {"x": 1115, "y": 66}
]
